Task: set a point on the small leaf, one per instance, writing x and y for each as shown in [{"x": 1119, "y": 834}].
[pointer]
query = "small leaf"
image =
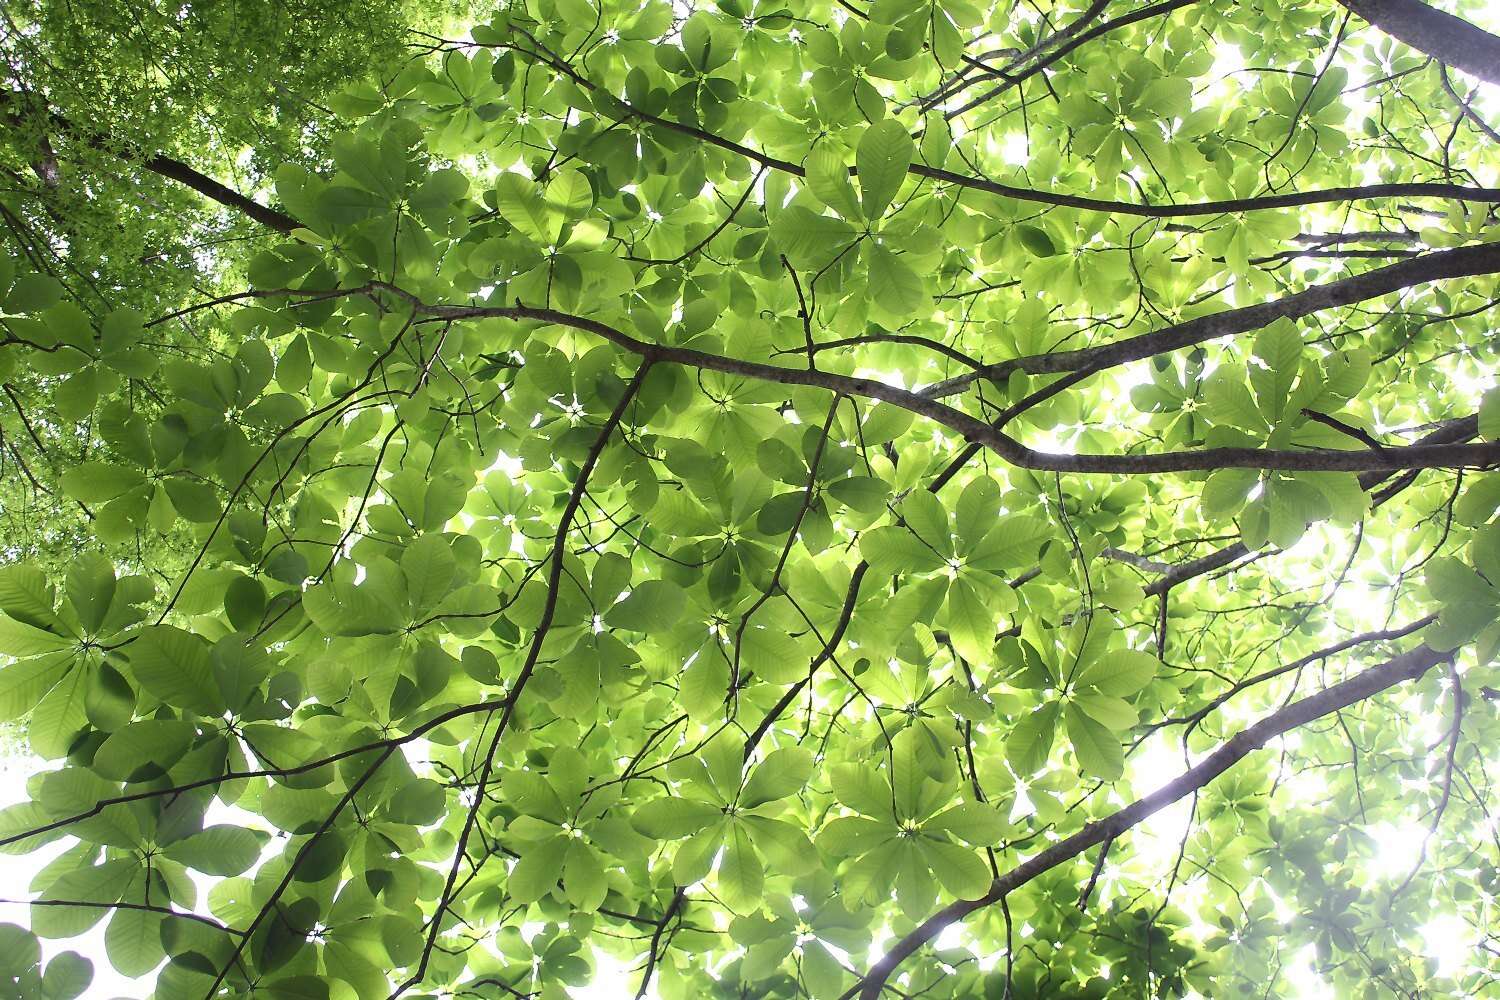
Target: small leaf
[
  {"x": 1036, "y": 241},
  {"x": 67, "y": 976}
]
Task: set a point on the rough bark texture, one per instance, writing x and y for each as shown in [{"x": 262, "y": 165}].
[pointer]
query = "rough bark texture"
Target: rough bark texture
[{"x": 1448, "y": 39}]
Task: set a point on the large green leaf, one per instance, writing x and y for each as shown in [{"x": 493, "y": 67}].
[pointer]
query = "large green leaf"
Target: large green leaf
[
  {"x": 881, "y": 158},
  {"x": 1097, "y": 748},
  {"x": 176, "y": 666}
]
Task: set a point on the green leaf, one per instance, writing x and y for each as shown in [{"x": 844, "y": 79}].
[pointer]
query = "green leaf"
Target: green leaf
[
  {"x": 176, "y": 667},
  {"x": 1489, "y": 415},
  {"x": 741, "y": 876},
  {"x": 344, "y": 609},
  {"x": 828, "y": 180},
  {"x": 894, "y": 286},
  {"x": 419, "y": 803},
  {"x": 1011, "y": 544},
  {"x": 19, "y": 639},
  {"x": 156, "y": 744},
  {"x": 1036, "y": 241},
  {"x": 1226, "y": 490},
  {"x": 583, "y": 877},
  {"x": 1030, "y": 741},
  {"x": 884, "y": 152},
  {"x": 538, "y": 870},
  {"x": 103, "y": 883},
  {"x": 1279, "y": 348},
  {"x": 1097, "y": 749},
  {"x": 96, "y": 482},
  {"x": 59, "y": 716},
  {"x": 26, "y": 596},
  {"x": 1120, "y": 672},
  {"x": 67, "y": 976},
  {"x": 894, "y": 549},
  {"x": 960, "y": 871},
  {"x": 522, "y": 206},
  {"x": 865, "y": 494},
  {"x": 133, "y": 941},
  {"x": 219, "y": 850},
  {"x": 1113, "y": 713},
  {"x": 653, "y": 605},
  {"x": 568, "y": 194},
  {"x": 861, "y": 789},
  {"x": 971, "y": 622},
  {"x": 784, "y": 772},
  {"x": 810, "y": 240},
  {"x": 23, "y": 684},
  {"x": 91, "y": 590},
  {"x": 972, "y": 822},
  {"x": 672, "y": 818}
]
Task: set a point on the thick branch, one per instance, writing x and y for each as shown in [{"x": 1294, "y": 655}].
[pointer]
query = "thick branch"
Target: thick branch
[
  {"x": 12, "y": 106},
  {"x": 971, "y": 428},
  {"x": 1446, "y": 38},
  {"x": 1458, "y": 263},
  {"x": 1405, "y": 667}
]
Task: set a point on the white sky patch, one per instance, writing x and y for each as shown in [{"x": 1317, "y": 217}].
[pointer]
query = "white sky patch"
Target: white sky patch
[
  {"x": 1397, "y": 847},
  {"x": 1157, "y": 762},
  {"x": 508, "y": 464},
  {"x": 1450, "y": 941},
  {"x": 1228, "y": 61},
  {"x": 897, "y": 379},
  {"x": 952, "y": 936},
  {"x": 614, "y": 979},
  {"x": 1301, "y": 973},
  {"x": 1157, "y": 841}
]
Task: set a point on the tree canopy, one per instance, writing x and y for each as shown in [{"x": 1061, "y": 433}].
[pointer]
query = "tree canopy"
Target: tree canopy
[{"x": 762, "y": 498}]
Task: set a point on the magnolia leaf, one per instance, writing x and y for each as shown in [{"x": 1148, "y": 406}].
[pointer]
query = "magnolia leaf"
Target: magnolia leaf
[{"x": 884, "y": 152}]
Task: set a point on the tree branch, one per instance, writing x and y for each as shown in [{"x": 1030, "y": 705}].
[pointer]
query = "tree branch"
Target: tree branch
[
  {"x": 1405, "y": 667},
  {"x": 539, "y": 637},
  {"x": 13, "y": 106},
  {"x": 1057, "y": 198},
  {"x": 1462, "y": 262},
  {"x": 1433, "y": 32},
  {"x": 971, "y": 428}
]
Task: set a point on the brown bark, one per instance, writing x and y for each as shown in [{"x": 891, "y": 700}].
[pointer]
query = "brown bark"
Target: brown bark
[
  {"x": 14, "y": 108},
  {"x": 1448, "y": 39}
]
